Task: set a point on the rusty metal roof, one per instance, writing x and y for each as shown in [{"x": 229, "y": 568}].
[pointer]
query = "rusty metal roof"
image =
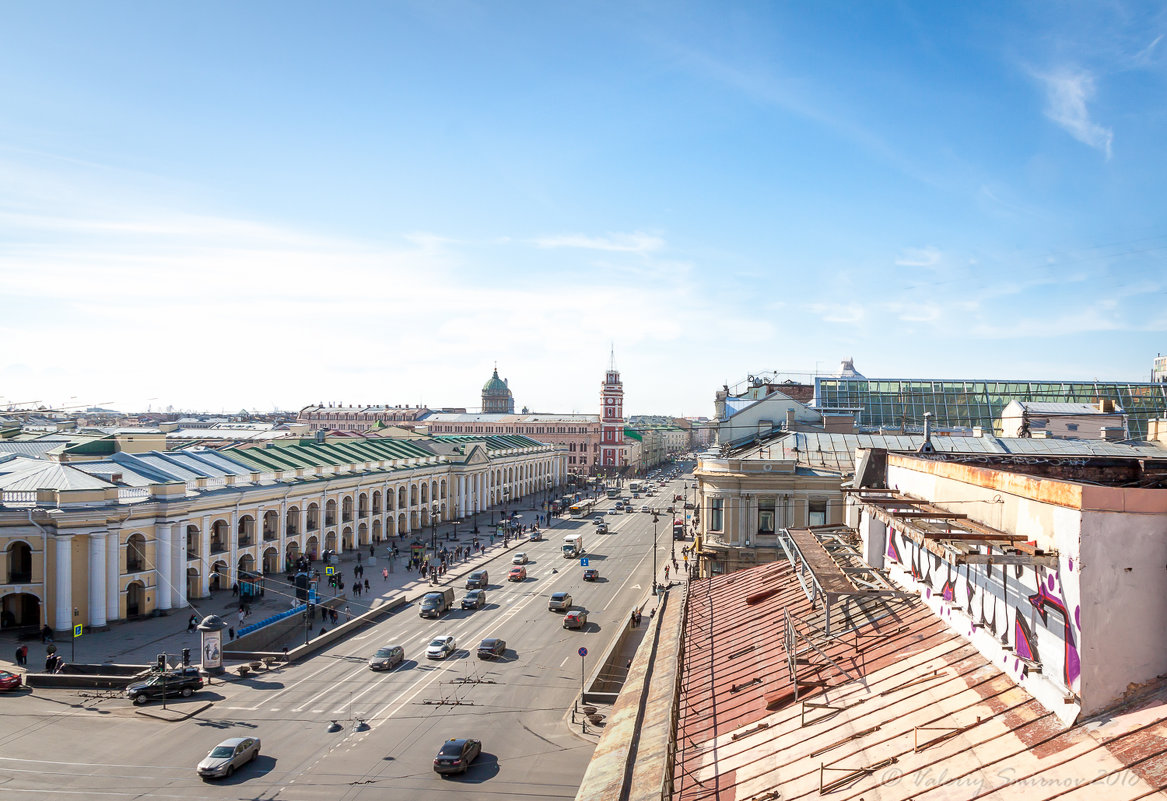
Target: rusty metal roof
[{"x": 896, "y": 707}]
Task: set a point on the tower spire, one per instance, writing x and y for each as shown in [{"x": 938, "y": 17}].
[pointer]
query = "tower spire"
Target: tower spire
[{"x": 612, "y": 358}]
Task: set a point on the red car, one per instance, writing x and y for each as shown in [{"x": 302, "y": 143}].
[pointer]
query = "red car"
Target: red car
[{"x": 10, "y": 681}]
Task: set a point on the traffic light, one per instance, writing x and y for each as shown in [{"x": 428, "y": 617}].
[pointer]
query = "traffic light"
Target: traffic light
[
  {"x": 186, "y": 657},
  {"x": 162, "y": 661}
]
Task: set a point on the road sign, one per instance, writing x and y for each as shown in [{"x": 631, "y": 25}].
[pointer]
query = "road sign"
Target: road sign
[
  {"x": 330, "y": 571},
  {"x": 583, "y": 562},
  {"x": 77, "y": 630},
  {"x": 583, "y": 651}
]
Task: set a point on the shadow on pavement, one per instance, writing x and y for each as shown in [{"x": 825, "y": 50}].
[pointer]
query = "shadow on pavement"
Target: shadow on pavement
[{"x": 483, "y": 769}]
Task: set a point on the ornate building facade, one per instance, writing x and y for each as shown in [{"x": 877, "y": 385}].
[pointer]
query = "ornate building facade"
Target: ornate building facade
[{"x": 612, "y": 455}]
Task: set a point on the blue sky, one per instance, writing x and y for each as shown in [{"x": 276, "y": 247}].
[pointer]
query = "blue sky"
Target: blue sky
[{"x": 225, "y": 205}]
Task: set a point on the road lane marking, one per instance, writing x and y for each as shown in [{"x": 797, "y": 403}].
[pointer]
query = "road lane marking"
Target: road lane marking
[
  {"x": 631, "y": 573},
  {"x": 278, "y": 693}
]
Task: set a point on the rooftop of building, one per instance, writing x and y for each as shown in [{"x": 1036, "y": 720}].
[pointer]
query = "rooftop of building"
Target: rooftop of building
[
  {"x": 499, "y": 418},
  {"x": 894, "y": 705}
]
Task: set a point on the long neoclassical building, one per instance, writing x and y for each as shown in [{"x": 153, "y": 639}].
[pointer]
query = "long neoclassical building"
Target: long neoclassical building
[{"x": 122, "y": 536}]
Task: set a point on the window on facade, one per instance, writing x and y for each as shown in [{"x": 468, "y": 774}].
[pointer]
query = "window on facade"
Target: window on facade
[
  {"x": 817, "y": 513},
  {"x": 716, "y": 520},
  {"x": 766, "y": 516}
]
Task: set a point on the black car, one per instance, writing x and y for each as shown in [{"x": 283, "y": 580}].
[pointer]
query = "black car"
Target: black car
[
  {"x": 171, "y": 684},
  {"x": 455, "y": 756},
  {"x": 475, "y": 599},
  {"x": 591, "y": 574},
  {"x": 492, "y": 648}
]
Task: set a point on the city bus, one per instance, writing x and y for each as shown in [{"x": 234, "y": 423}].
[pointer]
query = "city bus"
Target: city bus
[
  {"x": 634, "y": 488},
  {"x": 582, "y": 508},
  {"x": 613, "y": 492}
]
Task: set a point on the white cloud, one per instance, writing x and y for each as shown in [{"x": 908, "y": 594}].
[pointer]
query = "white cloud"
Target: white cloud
[
  {"x": 1067, "y": 94},
  {"x": 919, "y": 257},
  {"x": 636, "y": 242}
]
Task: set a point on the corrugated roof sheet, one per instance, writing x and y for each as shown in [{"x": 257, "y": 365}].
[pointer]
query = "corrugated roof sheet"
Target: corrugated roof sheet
[{"x": 924, "y": 715}]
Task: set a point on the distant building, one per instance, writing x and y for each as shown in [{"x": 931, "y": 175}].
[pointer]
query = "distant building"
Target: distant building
[
  {"x": 1064, "y": 420},
  {"x": 1159, "y": 370},
  {"x": 357, "y": 418},
  {"x": 496, "y": 396},
  {"x": 612, "y": 456}
]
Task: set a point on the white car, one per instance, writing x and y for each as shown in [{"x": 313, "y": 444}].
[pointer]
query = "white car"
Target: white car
[
  {"x": 519, "y": 559},
  {"x": 645, "y": 509},
  {"x": 441, "y": 647},
  {"x": 613, "y": 511}
]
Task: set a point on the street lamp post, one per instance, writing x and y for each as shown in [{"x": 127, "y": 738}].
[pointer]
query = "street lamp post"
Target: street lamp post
[{"x": 655, "y": 518}]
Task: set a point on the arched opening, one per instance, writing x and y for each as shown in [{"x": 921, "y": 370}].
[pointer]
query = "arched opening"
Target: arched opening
[
  {"x": 413, "y": 518},
  {"x": 330, "y": 541},
  {"x": 292, "y": 552},
  {"x": 402, "y": 525},
  {"x": 193, "y": 544},
  {"x": 363, "y": 505},
  {"x": 377, "y": 502},
  {"x": 376, "y": 529},
  {"x": 313, "y": 517},
  {"x": 312, "y": 548},
  {"x": 363, "y": 534},
  {"x": 346, "y": 512},
  {"x": 347, "y": 538},
  {"x": 271, "y": 525},
  {"x": 135, "y": 553},
  {"x": 330, "y": 512},
  {"x": 192, "y": 582},
  {"x": 292, "y": 521},
  {"x": 425, "y": 517},
  {"x": 425, "y": 493},
  {"x": 219, "y": 576},
  {"x": 443, "y": 490},
  {"x": 20, "y": 609},
  {"x": 19, "y": 563},
  {"x": 390, "y": 500},
  {"x": 400, "y": 497},
  {"x": 135, "y": 599},
  {"x": 413, "y": 494},
  {"x": 219, "y": 534},
  {"x": 246, "y": 531},
  {"x": 271, "y": 561}
]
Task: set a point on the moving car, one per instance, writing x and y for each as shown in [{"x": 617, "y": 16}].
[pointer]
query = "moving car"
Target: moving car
[
  {"x": 455, "y": 756},
  {"x": 475, "y": 599},
  {"x": 491, "y": 648},
  {"x": 171, "y": 684},
  {"x": 575, "y": 620},
  {"x": 10, "y": 680},
  {"x": 559, "y": 602},
  {"x": 441, "y": 647},
  {"x": 591, "y": 574},
  {"x": 518, "y": 573},
  {"x": 519, "y": 559},
  {"x": 387, "y": 658},
  {"x": 536, "y": 536},
  {"x": 477, "y": 580},
  {"x": 613, "y": 511},
  {"x": 229, "y": 755}
]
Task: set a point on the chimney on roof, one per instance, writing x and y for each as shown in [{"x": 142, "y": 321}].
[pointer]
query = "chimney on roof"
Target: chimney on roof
[
  {"x": 790, "y": 419},
  {"x": 1106, "y": 406},
  {"x": 926, "y": 445},
  {"x": 1110, "y": 433},
  {"x": 116, "y": 478}
]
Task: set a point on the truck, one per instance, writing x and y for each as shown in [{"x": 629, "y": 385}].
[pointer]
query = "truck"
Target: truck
[
  {"x": 436, "y": 603},
  {"x": 572, "y": 546},
  {"x": 678, "y": 529}
]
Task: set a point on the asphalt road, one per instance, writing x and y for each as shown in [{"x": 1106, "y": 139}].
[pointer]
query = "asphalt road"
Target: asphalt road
[{"x": 57, "y": 743}]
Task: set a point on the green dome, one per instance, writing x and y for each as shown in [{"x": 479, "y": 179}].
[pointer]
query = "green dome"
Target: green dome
[{"x": 495, "y": 386}]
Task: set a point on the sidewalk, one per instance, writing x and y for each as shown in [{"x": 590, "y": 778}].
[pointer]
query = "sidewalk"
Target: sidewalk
[{"x": 139, "y": 642}]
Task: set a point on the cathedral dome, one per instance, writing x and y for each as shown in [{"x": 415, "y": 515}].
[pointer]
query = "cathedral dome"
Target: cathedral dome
[{"x": 495, "y": 386}]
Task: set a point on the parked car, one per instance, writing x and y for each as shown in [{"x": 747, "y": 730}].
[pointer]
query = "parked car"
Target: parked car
[
  {"x": 441, "y": 647},
  {"x": 491, "y": 648},
  {"x": 519, "y": 558},
  {"x": 387, "y": 657},
  {"x": 10, "y": 680},
  {"x": 576, "y": 619},
  {"x": 475, "y": 599},
  {"x": 518, "y": 573},
  {"x": 559, "y": 602},
  {"x": 455, "y": 756},
  {"x": 171, "y": 684},
  {"x": 591, "y": 574},
  {"x": 477, "y": 580},
  {"x": 228, "y": 756}
]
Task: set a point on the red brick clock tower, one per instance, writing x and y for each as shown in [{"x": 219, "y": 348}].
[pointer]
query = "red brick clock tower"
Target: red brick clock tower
[{"x": 612, "y": 420}]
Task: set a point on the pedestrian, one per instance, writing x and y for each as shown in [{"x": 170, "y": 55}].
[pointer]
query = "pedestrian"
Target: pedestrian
[
  {"x": 639, "y": 617},
  {"x": 242, "y": 616},
  {"x": 385, "y": 573},
  {"x": 333, "y": 615},
  {"x": 235, "y": 590},
  {"x": 323, "y": 630},
  {"x": 21, "y": 655},
  {"x": 47, "y": 634},
  {"x": 193, "y": 623},
  {"x": 348, "y": 615},
  {"x": 633, "y": 620},
  {"x": 371, "y": 552},
  {"x": 366, "y": 585},
  {"x": 357, "y": 588},
  {"x": 230, "y": 633},
  {"x": 629, "y": 665}
]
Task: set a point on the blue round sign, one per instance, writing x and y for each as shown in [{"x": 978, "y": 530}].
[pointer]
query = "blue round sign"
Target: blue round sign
[{"x": 583, "y": 651}]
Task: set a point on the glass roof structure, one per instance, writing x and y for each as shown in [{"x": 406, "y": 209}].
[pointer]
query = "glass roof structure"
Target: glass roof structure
[{"x": 900, "y": 403}]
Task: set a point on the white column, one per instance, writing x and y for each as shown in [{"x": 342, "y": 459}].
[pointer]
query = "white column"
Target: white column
[
  {"x": 97, "y": 576},
  {"x": 64, "y": 601},
  {"x": 113, "y": 576},
  {"x": 178, "y": 566},
  {"x": 205, "y": 557},
  {"x": 162, "y": 563},
  {"x": 461, "y": 496}
]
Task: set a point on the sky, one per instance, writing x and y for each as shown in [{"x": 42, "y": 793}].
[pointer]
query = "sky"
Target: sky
[{"x": 261, "y": 205}]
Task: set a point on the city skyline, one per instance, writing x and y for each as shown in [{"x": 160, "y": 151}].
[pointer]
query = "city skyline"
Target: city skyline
[{"x": 378, "y": 202}]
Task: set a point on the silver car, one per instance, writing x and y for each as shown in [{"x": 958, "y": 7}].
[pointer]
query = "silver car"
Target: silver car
[
  {"x": 227, "y": 756},
  {"x": 441, "y": 647}
]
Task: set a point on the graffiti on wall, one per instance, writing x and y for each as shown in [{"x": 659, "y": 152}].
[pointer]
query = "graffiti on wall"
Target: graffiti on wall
[{"x": 1032, "y": 610}]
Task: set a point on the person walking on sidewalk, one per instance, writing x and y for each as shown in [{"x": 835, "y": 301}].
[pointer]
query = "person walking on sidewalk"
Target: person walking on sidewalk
[
  {"x": 47, "y": 633},
  {"x": 385, "y": 573},
  {"x": 193, "y": 623},
  {"x": 22, "y": 656}
]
